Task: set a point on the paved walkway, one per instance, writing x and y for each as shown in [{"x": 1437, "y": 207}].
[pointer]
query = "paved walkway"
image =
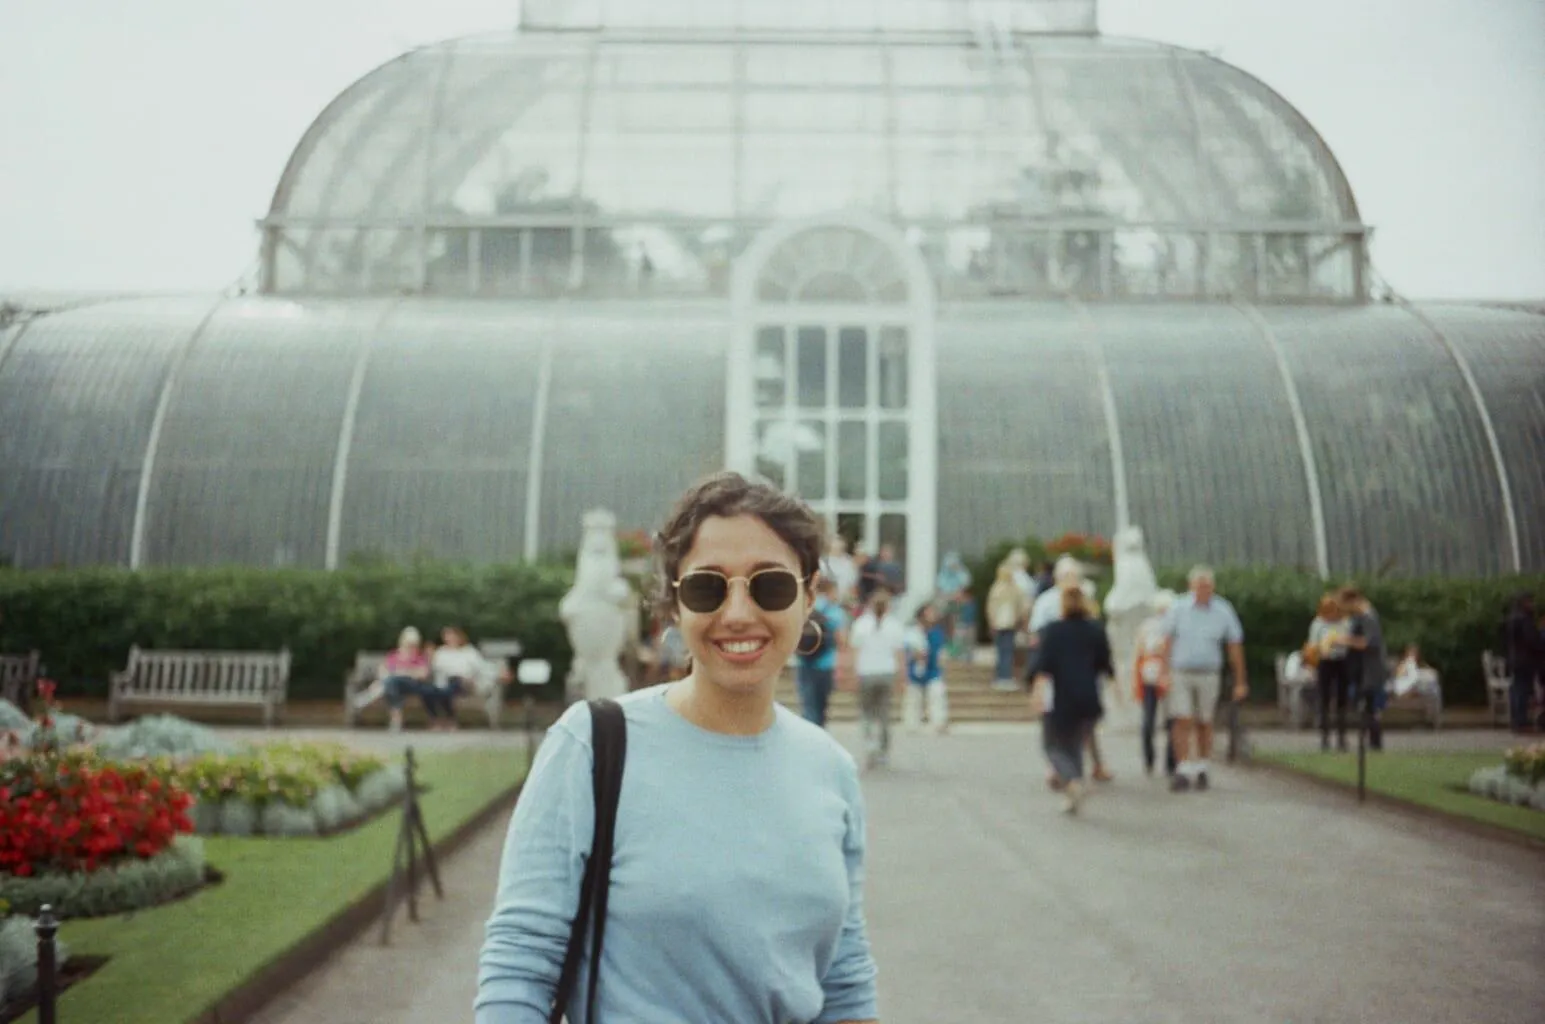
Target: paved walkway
[{"x": 1262, "y": 901}]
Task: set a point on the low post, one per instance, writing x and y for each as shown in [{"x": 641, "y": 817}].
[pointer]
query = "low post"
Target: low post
[
  {"x": 412, "y": 843},
  {"x": 1362, "y": 748},
  {"x": 48, "y": 964}
]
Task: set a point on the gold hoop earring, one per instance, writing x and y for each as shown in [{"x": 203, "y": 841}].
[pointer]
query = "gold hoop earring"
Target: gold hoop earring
[{"x": 819, "y": 636}]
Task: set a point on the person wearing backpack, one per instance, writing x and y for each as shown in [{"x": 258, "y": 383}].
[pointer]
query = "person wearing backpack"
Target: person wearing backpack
[{"x": 817, "y": 670}]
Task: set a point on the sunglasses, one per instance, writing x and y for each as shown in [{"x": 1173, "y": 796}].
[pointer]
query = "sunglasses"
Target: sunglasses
[{"x": 705, "y": 591}]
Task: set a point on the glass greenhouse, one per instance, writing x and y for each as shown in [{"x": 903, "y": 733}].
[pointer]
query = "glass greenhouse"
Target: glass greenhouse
[{"x": 953, "y": 271}]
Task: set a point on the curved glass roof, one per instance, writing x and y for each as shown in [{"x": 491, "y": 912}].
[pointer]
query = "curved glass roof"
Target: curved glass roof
[
  {"x": 448, "y": 451},
  {"x": 591, "y": 156}
]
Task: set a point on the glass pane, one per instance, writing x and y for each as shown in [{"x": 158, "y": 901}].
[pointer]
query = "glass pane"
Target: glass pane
[
  {"x": 447, "y": 270},
  {"x": 893, "y": 368},
  {"x": 769, "y": 369},
  {"x": 809, "y": 442},
  {"x": 812, "y": 367},
  {"x": 773, "y": 451},
  {"x": 893, "y": 461},
  {"x": 852, "y": 460},
  {"x": 850, "y": 526},
  {"x": 852, "y": 368}
]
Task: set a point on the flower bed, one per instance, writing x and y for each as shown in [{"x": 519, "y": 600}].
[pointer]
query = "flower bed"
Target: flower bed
[
  {"x": 1519, "y": 780},
  {"x": 288, "y": 789},
  {"x": 92, "y": 837}
]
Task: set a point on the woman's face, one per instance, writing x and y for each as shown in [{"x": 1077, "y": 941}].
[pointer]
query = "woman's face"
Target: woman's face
[{"x": 740, "y": 645}]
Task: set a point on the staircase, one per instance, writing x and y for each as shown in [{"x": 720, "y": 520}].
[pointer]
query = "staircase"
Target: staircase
[{"x": 972, "y": 698}]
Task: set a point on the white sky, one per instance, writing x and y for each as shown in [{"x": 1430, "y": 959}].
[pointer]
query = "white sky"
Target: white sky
[{"x": 140, "y": 141}]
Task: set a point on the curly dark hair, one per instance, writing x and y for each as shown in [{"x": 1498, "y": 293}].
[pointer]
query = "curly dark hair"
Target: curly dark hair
[{"x": 728, "y": 494}]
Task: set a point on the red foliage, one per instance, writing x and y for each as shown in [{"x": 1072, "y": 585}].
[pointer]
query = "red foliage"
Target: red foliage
[
  {"x": 1087, "y": 547},
  {"x": 68, "y": 814}
]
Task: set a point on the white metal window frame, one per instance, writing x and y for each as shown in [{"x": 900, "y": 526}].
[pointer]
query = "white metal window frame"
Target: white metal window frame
[{"x": 915, "y": 316}]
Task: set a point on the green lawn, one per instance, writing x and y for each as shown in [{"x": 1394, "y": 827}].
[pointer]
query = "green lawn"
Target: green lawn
[
  {"x": 171, "y": 963},
  {"x": 1425, "y": 779}
]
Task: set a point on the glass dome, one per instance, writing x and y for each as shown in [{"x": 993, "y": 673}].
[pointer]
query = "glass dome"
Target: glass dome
[{"x": 598, "y": 150}]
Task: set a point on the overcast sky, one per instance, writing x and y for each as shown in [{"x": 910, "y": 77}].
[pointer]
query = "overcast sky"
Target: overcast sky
[{"x": 140, "y": 141}]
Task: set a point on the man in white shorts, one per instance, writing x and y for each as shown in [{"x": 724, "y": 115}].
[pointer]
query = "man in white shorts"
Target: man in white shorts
[{"x": 1198, "y": 627}]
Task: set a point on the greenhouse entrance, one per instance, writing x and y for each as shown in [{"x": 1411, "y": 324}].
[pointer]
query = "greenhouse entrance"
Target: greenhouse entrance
[{"x": 831, "y": 382}]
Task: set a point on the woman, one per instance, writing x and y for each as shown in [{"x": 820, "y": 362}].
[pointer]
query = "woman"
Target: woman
[
  {"x": 879, "y": 644},
  {"x": 927, "y": 642},
  {"x": 404, "y": 673},
  {"x": 459, "y": 668},
  {"x": 1007, "y": 609},
  {"x": 1149, "y": 688},
  {"x": 1074, "y": 652},
  {"x": 1329, "y": 634},
  {"x": 737, "y": 887}
]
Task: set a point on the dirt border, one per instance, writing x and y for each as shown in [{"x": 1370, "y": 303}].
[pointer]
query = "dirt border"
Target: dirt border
[
  {"x": 1459, "y": 823},
  {"x": 310, "y": 953}
]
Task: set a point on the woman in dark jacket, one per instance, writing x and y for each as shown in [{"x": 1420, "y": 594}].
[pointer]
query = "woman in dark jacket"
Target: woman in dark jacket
[{"x": 1072, "y": 656}]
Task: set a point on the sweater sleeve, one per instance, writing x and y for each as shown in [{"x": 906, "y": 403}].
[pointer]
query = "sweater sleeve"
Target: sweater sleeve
[
  {"x": 849, "y": 984},
  {"x": 539, "y": 879}
]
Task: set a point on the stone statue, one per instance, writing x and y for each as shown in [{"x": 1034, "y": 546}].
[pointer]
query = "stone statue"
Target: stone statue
[
  {"x": 1129, "y": 602},
  {"x": 595, "y": 612}
]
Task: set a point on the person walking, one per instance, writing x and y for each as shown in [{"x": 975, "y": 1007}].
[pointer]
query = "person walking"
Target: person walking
[
  {"x": 1149, "y": 687},
  {"x": 1073, "y": 654},
  {"x": 927, "y": 642},
  {"x": 817, "y": 669},
  {"x": 879, "y": 642},
  {"x": 1197, "y": 630},
  {"x": 1007, "y": 611},
  {"x": 739, "y": 843},
  {"x": 1329, "y": 636}
]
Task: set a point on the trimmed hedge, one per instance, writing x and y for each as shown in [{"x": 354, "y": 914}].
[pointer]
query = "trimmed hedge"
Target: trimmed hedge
[
  {"x": 85, "y": 620},
  {"x": 1453, "y": 619}
]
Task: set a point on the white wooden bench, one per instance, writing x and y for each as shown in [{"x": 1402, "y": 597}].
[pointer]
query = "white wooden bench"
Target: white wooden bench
[
  {"x": 1498, "y": 683},
  {"x": 259, "y": 678},
  {"x": 367, "y": 669},
  {"x": 1299, "y": 699},
  {"x": 19, "y": 678}
]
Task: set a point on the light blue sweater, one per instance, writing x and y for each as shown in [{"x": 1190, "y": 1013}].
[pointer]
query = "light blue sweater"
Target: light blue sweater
[{"x": 737, "y": 879}]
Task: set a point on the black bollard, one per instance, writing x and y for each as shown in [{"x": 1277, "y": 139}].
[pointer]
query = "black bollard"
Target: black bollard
[
  {"x": 530, "y": 705},
  {"x": 1362, "y": 752},
  {"x": 48, "y": 965}
]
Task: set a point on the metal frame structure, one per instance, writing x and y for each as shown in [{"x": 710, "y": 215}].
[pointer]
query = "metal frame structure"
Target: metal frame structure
[
  {"x": 1019, "y": 80},
  {"x": 915, "y": 314}
]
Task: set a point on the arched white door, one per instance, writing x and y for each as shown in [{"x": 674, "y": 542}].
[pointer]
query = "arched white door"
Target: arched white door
[{"x": 831, "y": 382}]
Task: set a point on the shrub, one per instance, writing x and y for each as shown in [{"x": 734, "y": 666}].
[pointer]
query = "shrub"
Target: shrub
[
  {"x": 85, "y": 620},
  {"x": 160, "y": 736},
  {"x": 72, "y": 813},
  {"x": 125, "y": 886},
  {"x": 1526, "y": 763}
]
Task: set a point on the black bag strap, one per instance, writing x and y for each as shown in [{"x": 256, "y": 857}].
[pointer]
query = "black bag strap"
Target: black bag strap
[{"x": 609, "y": 748}]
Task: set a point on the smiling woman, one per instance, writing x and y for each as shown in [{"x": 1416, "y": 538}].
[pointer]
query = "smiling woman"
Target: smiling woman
[{"x": 737, "y": 877}]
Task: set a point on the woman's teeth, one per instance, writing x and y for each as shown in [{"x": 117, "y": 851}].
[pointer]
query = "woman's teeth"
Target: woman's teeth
[{"x": 741, "y": 646}]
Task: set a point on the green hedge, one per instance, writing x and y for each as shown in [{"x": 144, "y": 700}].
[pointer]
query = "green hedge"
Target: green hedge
[
  {"x": 85, "y": 620},
  {"x": 1454, "y": 620}
]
